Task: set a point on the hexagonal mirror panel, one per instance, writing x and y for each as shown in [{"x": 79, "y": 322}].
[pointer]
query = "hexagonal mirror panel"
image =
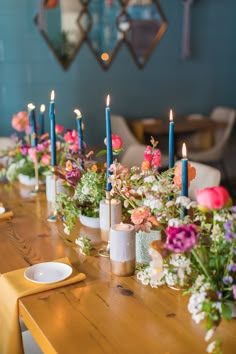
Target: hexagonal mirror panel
[
  {"x": 104, "y": 25},
  {"x": 145, "y": 25}
]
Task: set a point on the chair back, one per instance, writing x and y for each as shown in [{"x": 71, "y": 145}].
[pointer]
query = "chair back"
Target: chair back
[
  {"x": 6, "y": 142},
  {"x": 225, "y": 115},
  {"x": 206, "y": 176},
  {"x": 120, "y": 127}
]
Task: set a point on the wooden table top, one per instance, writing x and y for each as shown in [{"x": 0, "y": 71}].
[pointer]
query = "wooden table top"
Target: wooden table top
[
  {"x": 104, "y": 313},
  {"x": 184, "y": 125}
]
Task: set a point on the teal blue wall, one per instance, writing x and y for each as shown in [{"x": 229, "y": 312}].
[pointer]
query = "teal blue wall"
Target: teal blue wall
[{"x": 29, "y": 71}]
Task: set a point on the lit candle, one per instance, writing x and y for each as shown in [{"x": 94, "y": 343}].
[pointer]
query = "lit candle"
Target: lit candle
[
  {"x": 171, "y": 140},
  {"x": 41, "y": 122},
  {"x": 184, "y": 171},
  {"x": 32, "y": 121},
  {"x": 109, "y": 142},
  {"x": 52, "y": 130},
  {"x": 80, "y": 130}
]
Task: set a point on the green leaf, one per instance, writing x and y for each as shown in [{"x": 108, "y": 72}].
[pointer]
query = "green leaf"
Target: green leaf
[
  {"x": 226, "y": 311},
  {"x": 101, "y": 153}
]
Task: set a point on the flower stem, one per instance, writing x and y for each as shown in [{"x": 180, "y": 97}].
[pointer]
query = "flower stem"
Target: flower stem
[{"x": 200, "y": 263}]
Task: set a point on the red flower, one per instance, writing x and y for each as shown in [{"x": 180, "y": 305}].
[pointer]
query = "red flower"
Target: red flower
[{"x": 213, "y": 197}]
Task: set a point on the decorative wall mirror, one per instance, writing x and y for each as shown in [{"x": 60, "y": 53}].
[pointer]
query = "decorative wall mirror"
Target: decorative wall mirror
[{"x": 104, "y": 25}]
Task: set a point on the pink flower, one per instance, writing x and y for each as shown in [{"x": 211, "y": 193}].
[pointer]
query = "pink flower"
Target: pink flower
[
  {"x": 32, "y": 154},
  {"x": 20, "y": 121},
  {"x": 213, "y": 197},
  {"x": 71, "y": 136},
  {"x": 181, "y": 238},
  {"x": 59, "y": 129},
  {"x": 234, "y": 291},
  {"x": 156, "y": 161},
  {"x": 46, "y": 159},
  {"x": 116, "y": 142},
  {"x": 148, "y": 154},
  {"x": 152, "y": 158},
  {"x": 41, "y": 147},
  {"x": 75, "y": 147}
]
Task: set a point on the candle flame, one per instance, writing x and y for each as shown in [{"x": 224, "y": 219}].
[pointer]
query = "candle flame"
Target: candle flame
[
  {"x": 42, "y": 108},
  {"x": 78, "y": 113},
  {"x": 52, "y": 95},
  {"x": 171, "y": 116},
  {"x": 184, "y": 150},
  {"x": 108, "y": 100},
  {"x": 31, "y": 106}
]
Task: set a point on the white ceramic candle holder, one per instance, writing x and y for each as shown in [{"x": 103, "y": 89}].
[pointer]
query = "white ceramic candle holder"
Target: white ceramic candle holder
[
  {"x": 105, "y": 220},
  {"x": 122, "y": 249}
]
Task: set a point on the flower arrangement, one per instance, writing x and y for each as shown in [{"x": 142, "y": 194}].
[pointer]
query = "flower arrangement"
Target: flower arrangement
[
  {"x": 149, "y": 198},
  {"x": 200, "y": 256},
  {"x": 22, "y": 157},
  {"x": 86, "y": 183}
]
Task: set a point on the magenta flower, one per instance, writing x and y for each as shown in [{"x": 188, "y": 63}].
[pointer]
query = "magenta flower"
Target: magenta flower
[
  {"x": 73, "y": 176},
  {"x": 182, "y": 238},
  {"x": 24, "y": 150}
]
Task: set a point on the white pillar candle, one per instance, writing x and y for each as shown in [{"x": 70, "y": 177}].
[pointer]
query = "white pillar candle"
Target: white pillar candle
[
  {"x": 122, "y": 249},
  {"x": 116, "y": 216}
]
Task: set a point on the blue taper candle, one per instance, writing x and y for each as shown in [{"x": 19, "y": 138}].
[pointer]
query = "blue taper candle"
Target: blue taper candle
[
  {"x": 171, "y": 141},
  {"x": 108, "y": 142},
  {"x": 52, "y": 130},
  {"x": 41, "y": 121},
  {"x": 184, "y": 171},
  {"x": 32, "y": 121},
  {"x": 80, "y": 130}
]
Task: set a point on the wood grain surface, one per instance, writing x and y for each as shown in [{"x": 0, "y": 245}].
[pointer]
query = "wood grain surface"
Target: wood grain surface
[{"x": 103, "y": 314}]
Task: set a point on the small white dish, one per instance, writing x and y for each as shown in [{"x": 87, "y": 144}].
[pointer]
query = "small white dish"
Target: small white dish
[
  {"x": 2, "y": 210},
  {"x": 48, "y": 272}
]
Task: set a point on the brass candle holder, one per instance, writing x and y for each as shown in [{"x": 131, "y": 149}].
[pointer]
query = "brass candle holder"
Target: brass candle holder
[
  {"x": 53, "y": 216},
  {"x": 105, "y": 251}
]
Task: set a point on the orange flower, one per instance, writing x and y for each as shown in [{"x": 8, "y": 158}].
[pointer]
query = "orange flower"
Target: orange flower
[
  {"x": 153, "y": 220},
  {"x": 69, "y": 165},
  {"x": 178, "y": 174},
  {"x": 145, "y": 165},
  {"x": 94, "y": 168},
  {"x": 140, "y": 214}
]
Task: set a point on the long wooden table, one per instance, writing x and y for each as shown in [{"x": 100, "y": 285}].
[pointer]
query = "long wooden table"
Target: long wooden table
[{"x": 104, "y": 313}]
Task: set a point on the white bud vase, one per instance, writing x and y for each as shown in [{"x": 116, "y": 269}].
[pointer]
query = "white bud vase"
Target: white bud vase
[
  {"x": 51, "y": 191},
  {"x": 116, "y": 216}
]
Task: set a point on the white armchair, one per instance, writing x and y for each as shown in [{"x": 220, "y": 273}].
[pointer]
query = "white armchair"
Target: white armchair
[{"x": 206, "y": 176}]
